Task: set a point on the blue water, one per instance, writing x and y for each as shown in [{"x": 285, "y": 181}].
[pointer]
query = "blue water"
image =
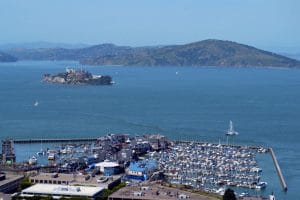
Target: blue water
[{"x": 197, "y": 103}]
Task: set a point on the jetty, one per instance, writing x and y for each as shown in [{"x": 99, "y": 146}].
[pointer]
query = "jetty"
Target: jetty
[
  {"x": 283, "y": 183},
  {"x": 54, "y": 140}
]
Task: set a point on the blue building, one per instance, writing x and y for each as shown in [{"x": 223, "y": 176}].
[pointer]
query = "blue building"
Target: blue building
[{"x": 141, "y": 170}]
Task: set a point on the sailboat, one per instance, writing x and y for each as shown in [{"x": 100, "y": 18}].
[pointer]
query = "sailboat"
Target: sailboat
[
  {"x": 41, "y": 152},
  {"x": 231, "y": 131}
]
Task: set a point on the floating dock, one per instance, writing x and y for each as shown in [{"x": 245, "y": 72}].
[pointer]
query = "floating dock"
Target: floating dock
[
  {"x": 283, "y": 183},
  {"x": 53, "y": 140}
]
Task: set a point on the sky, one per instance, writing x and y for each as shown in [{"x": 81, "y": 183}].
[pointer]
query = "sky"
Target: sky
[{"x": 268, "y": 24}]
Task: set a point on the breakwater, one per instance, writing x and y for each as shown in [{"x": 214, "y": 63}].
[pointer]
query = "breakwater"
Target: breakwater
[
  {"x": 54, "y": 140},
  {"x": 277, "y": 167}
]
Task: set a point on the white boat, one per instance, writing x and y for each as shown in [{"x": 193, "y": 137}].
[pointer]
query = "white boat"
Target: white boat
[
  {"x": 272, "y": 197},
  {"x": 244, "y": 194},
  {"x": 41, "y": 153},
  {"x": 261, "y": 185},
  {"x": 64, "y": 151},
  {"x": 220, "y": 191},
  {"x": 36, "y": 103},
  {"x": 51, "y": 156},
  {"x": 32, "y": 161}
]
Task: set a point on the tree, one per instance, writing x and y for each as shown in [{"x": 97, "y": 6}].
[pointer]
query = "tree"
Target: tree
[{"x": 229, "y": 195}]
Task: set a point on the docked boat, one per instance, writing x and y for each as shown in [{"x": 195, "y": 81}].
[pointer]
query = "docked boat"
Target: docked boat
[
  {"x": 32, "y": 161},
  {"x": 41, "y": 153},
  {"x": 51, "y": 156},
  {"x": 261, "y": 185}
]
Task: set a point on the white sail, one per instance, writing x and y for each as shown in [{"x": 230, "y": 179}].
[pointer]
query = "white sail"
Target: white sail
[{"x": 231, "y": 131}]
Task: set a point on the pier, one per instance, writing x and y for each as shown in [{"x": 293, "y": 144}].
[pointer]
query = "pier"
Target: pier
[
  {"x": 283, "y": 183},
  {"x": 54, "y": 140}
]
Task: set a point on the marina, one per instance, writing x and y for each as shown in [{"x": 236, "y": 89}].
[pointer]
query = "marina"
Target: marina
[
  {"x": 204, "y": 166},
  {"x": 210, "y": 167}
]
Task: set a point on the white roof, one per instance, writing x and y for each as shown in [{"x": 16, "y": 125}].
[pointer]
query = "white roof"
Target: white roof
[
  {"x": 54, "y": 189},
  {"x": 107, "y": 164}
]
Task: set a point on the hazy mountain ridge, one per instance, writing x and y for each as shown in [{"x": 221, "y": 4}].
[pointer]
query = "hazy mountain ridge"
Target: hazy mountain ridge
[
  {"x": 4, "y": 57},
  {"x": 204, "y": 53},
  {"x": 41, "y": 44},
  {"x": 67, "y": 54}
]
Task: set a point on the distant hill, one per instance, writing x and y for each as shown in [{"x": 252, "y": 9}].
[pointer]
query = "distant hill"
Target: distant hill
[
  {"x": 7, "y": 58},
  {"x": 204, "y": 53},
  {"x": 68, "y": 54}
]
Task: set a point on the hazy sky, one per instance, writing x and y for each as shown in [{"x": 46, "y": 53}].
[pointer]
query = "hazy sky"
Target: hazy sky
[{"x": 268, "y": 24}]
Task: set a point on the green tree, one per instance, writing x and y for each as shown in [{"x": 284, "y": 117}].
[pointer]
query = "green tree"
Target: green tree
[
  {"x": 25, "y": 183},
  {"x": 229, "y": 195}
]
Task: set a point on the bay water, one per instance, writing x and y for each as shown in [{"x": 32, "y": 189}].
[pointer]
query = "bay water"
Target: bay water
[{"x": 185, "y": 103}]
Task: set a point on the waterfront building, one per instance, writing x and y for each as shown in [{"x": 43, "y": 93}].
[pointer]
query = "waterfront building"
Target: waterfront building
[
  {"x": 75, "y": 179},
  {"x": 9, "y": 182},
  {"x": 58, "y": 191},
  {"x": 8, "y": 152},
  {"x": 141, "y": 170},
  {"x": 154, "y": 191},
  {"x": 108, "y": 168}
]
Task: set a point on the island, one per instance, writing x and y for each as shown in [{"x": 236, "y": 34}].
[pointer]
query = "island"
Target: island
[
  {"x": 78, "y": 77},
  {"x": 218, "y": 53}
]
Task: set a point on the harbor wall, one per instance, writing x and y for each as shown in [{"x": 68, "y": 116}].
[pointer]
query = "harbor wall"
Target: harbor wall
[
  {"x": 49, "y": 140},
  {"x": 277, "y": 167}
]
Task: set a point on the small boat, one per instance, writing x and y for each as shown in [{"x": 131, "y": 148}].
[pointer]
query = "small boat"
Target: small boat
[
  {"x": 64, "y": 151},
  {"x": 32, "y": 161},
  {"x": 220, "y": 191},
  {"x": 51, "y": 156},
  {"x": 261, "y": 185},
  {"x": 36, "y": 103},
  {"x": 41, "y": 153},
  {"x": 272, "y": 196},
  {"x": 244, "y": 194}
]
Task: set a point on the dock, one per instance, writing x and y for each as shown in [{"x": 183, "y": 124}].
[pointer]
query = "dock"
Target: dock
[
  {"x": 283, "y": 183},
  {"x": 54, "y": 140},
  {"x": 224, "y": 145}
]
